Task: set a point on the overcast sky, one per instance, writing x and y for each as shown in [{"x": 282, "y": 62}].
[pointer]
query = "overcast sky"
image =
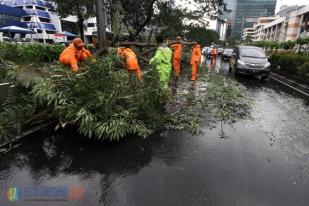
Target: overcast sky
[
  {"x": 279, "y": 4},
  {"x": 290, "y": 2}
]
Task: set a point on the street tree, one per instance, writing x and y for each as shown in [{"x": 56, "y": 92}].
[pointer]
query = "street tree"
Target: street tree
[
  {"x": 202, "y": 35},
  {"x": 83, "y": 9},
  {"x": 140, "y": 13}
]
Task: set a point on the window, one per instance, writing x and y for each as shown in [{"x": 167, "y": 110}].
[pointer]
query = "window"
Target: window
[
  {"x": 27, "y": 18},
  {"x": 252, "y": 52},
  {"x": 228, "y": 51},
  {"x": 50, "y": 32},
  {"x": 40, "y": 8},
  {"x": 29, "y": 7},
  {"x": 39, "y": 31},
  {"x": 91, "y": 25},
  {"x": 44, "y": 20}
]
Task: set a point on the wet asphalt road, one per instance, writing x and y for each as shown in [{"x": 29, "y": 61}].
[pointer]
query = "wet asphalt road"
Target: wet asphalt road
[{"x": 263, "y": 161}]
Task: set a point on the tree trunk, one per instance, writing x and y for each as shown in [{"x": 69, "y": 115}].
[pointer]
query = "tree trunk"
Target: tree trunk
[
  {"x": 147, "y": 20},
  {"x": 81, "y": 27},
  {"x": 150, "y": 36},
  {"x": 101, "y": 23}
]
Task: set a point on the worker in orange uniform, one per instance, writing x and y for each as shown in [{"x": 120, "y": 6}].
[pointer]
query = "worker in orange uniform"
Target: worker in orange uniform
[
  {"x": 131, "y": 62},
  {"x": 195, "y": 60},
  {"x": 74, "y": 53},
  {"x": 214, "y": 54},
  {"x": 177, "y": 48}
]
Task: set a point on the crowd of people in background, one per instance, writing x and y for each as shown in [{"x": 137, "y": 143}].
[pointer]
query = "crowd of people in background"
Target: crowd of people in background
[{"x": 167, "y": 58}]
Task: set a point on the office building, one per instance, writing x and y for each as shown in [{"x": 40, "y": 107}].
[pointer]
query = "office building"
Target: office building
[
  {"x": 292, "y": 23},
  {"x": 226, "y": 21},
  {"x": 247, "y": 13}
]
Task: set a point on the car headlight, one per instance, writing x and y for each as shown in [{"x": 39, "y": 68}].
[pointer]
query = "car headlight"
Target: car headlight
[
  {"x": 267, "y": 65},
  {"x": 241, "y": 62}
]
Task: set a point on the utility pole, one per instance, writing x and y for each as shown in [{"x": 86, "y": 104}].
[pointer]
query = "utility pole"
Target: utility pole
[{"x": 101, "y": 23}]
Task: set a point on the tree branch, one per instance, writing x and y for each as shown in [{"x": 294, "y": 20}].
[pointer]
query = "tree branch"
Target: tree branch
[{"x": 147, "y": 20}]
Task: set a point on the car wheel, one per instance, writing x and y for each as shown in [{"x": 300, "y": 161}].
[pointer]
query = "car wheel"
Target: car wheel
[
  {"x": 264, "y": 78},
  {"x": 236, "y": 73}
]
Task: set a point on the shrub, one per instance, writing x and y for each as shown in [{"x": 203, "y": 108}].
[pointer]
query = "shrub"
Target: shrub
[
  {"x": 303, "y": 70},
  {"x": 29, "y": 53},
  {"x": 292, "y": 64}
]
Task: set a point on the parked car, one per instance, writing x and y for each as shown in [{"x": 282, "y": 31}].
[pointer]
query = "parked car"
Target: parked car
[
  {"x": 250, "y": 61},
  {"x": 205, "y": 50},
  {"x": 227, "y": 53},
  {"x": 208, "y": 53},
  {"x": 220, "y": 51},
  {"x": 5, "y": 39}
]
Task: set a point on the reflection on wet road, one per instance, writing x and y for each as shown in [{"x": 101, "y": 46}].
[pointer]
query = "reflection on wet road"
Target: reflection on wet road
[{"x": 262, "y": 161}]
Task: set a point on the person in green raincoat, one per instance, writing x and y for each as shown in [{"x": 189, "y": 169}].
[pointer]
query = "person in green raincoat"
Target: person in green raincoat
[{"x": 162, "y": 61}]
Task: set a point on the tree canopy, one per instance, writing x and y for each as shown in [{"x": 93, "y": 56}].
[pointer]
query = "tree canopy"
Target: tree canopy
[
  {"x": 83, "y": 9},
  {"x": 203, "y": 36},
  {"x": 137, "y": 14}
]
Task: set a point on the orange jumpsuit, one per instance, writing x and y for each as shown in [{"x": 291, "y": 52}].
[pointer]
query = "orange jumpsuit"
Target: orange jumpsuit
[
  {"x": 71, "y": 56},
  {"x": 131, "y": 62},
  {"x": 177, "y": 57},
  {"x": 195, "y": 61},
  {"x": 214, "y": 53}
]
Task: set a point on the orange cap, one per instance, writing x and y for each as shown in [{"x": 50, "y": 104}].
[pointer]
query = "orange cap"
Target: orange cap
[{"x": 78, "y": 42}]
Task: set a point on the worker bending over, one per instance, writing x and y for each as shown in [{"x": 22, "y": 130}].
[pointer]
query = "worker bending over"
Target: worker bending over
[
  {"x": 74, "y": 53},
  {"x": 195, "y": 60},
  {"x": 130, "y": 61}
]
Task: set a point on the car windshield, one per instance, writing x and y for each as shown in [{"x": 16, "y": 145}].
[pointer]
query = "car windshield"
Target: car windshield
[
  {"x": 228, "y": 50},
  {"x": 252, "y": 52}
]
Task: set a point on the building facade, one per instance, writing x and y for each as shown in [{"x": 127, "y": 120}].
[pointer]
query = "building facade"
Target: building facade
[
  {"x": 290, "y": 24},
  {"x": 226, "y": 21},
  {"x": 248, "y": 11},
  {"x": 40, "y": 17}
]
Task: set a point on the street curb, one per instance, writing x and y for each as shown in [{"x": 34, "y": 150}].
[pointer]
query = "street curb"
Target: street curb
[
  {"x": 291, "y": 84},
  {"x": 25, "y": 134}
]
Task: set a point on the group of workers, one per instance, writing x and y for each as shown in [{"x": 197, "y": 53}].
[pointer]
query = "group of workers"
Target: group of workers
[{"x": 166, "y": 58}]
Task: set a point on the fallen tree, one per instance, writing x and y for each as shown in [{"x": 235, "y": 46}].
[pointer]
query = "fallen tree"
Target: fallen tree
[{"x": 103, "y": 102}]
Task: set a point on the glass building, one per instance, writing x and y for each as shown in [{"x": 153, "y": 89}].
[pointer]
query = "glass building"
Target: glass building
[
  {"x": 228, "y": 18},
  {"x": 247, "y": 13}
]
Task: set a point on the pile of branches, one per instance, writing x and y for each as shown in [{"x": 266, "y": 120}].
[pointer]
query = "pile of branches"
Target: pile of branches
[{"x": 103, "y": 102}]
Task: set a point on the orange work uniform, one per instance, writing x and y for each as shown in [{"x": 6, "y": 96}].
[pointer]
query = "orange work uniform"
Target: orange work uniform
[
  {"x": 71, "y": 56},
  {"x": 131, "y": 62},
  {"x": 214, "y": 53},
  {"x": 195, "y": 61},
  {"x": 177, "y": 57}
]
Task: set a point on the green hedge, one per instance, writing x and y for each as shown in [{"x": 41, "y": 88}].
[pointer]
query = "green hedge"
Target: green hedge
[
  {"x": 29, "y": 53},
  {"x": 292, "y": 64}
]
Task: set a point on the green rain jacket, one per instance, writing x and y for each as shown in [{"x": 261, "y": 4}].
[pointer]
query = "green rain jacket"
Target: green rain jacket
[{"x": 162, "y": 62}]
